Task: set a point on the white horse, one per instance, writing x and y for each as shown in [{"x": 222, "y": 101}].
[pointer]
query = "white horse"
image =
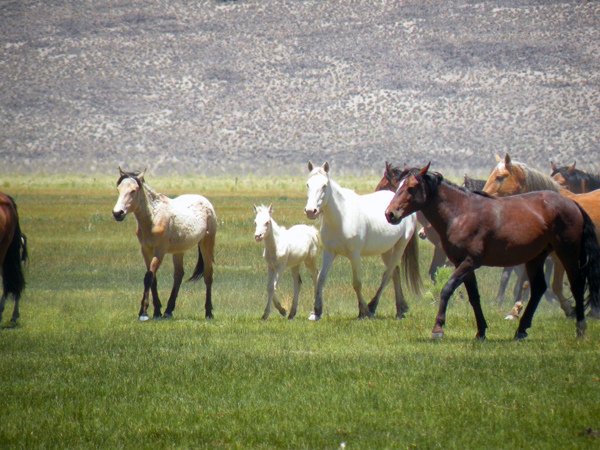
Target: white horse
[
  {"x": 355, "y": 225},
  {"x": 168, "y": 226},
  {"x": 285, "y": 249}
]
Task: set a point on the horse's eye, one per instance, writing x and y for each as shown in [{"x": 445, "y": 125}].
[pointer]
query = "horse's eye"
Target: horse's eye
[
  {"x": 500, "y": 179},
  {"x": 411, "y": 190}
]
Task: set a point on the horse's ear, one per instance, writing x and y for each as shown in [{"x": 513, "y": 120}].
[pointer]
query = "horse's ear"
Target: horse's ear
[
  {"x": 121, "y": 173},
  {"x": 310, "y": 166},
  {"x": 507, "y": 161},
  {"x": 389, "y": 173},
  {"x": 552, "y": 166},
  {"x": 141, "y": 175},
  {"x": 271, "y": 208},
  {"x": 254, "y": 209},
  {"x": 571, "y": 169},
  {"x": 498, "y": 159},
  {"x": 326, "y": 167},
  {"x": 424, "y": 170}
]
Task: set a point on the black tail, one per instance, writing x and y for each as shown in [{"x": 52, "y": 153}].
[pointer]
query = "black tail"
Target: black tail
[
  {"x": 199, "y": 270},
  {"x": 13, "y": 280},
  {"x": 589, "y": 261}
]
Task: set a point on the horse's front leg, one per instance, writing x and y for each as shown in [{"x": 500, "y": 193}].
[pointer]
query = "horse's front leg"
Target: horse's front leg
[
  {"x": 391, "y": 260},
  {"x": 327, "y": 260},
  {"x": 363, "y": 308},
  {"x": 455, "y": 280},
  {"x": 178, "y": 273},
  {"x": 152, "y": 264},
  {"x": 273, "y": 275},
  {"x": 535, "y": 271},
  {"x": 297, "y": 286},
  {"x": 474, "y": 299}
]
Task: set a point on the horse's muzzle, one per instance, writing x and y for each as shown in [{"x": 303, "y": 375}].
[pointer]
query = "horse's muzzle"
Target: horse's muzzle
[
  {"x": 311, "y": 213},
  {"x": 119, "y": 215},
  {"x": 258, "y": 237},
  {"x": 392, "y": 218}
]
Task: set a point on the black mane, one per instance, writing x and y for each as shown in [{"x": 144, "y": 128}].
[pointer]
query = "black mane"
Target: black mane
[
  {"x": 576, "y": 177},
  {"x": 135, "y": 174}
]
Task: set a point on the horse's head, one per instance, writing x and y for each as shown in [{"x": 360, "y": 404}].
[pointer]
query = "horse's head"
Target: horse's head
[
  {"x": 262, "y": 221},
  {"x": 391, "y": 175},
  {"x": 317, "y": 190},
  {"x": 507, "y": 178},
  {"x": 129, "y": 185},
  {"x": 410, "y": 196},
  {"x": 568, "y": 177}
]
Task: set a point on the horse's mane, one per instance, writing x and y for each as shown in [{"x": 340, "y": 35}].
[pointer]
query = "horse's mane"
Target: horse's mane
[
  {"x": 141, "y": 183},
  {"x": 432, "y": 181},
  {"x": 536, "y": 180},
  {"x": 135, "y": 174}
]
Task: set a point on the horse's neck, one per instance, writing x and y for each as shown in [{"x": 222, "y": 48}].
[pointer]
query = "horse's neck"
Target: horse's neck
[
  {"x": 272, "y": 239},
  {"x": 592, "y": 183},
  {"x": 441, "y": 209},
  {"x": 334, "y": 211},
  {"x": 148, "y": 206}
]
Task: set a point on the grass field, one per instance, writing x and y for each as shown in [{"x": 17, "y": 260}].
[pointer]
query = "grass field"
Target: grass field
[{"x": 79, "y": 370}]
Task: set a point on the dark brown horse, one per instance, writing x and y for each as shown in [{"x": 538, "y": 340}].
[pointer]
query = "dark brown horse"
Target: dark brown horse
[
  {"x": 13, "y": 252},
  {"x": 477, "y": 230},
  {"x": 389, "y": 183},
  {"x": 575, "y": 180}
]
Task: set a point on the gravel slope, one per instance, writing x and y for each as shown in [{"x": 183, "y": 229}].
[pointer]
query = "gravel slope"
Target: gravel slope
[{"x": 262, "y": 86}]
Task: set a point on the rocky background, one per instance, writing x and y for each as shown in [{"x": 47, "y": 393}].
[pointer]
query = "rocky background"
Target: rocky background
[{"x": 262, "y": 86}]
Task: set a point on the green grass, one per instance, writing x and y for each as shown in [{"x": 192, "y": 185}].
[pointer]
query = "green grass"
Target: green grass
[{"x": 79, "y": 371}]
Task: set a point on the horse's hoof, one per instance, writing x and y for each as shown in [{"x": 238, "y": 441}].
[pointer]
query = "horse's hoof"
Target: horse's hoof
[
  {"x": 400, "y": 316},
  {"x": 263, "y": 318},
  {"x": 313, "y": 317},
  {"x": 519, "y": 336},
  {"x": 143, "y": 318},
  {"x": 167, "y": 316},
  {"x": 581, "y": 327},
  {"x": 283, "y": 313},
  {"x": 509, "y": 317},
  {"x": 437, "y": 334},
  {"x": 480, "y": 337}
]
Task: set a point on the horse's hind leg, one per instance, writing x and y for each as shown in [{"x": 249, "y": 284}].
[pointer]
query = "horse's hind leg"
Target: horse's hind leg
[
  {"x": 391, "y": 260},
  {"x": 207, "y": 247},
  {"x": 503, "y": 283},
  {"x": 557, "y": 287},
  {"x": 535, "y": 271},
  {"x": 438, "y": 260},
  {"x": 178, "y": 273}
]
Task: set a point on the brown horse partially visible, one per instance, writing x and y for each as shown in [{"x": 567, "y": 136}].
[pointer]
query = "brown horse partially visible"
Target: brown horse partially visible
[
  {"x": 531, "y": 226},
  {"x": 575, "y": 180},
  {"x": 388, "y": 182},
  {"x": 13, "y": 252},
  {"x": 512, "y": 177}
]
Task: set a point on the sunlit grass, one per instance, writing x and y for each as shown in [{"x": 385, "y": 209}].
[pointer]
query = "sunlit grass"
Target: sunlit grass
[{"x": 79, "y": 371}]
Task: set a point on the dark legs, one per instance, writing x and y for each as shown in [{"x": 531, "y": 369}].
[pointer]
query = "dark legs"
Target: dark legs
[
  {"x": 177, "y": 278},
  {"x": 537, "y": 280},
  {"x": 464, "y": 273}
]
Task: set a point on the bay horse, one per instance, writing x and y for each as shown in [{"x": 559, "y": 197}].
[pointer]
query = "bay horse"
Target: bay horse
[
  {"x": 13, "y": 253},
  {"x": 285, "y": 248},
  {"x": 388, "y": 182},
  {"x": 512, "y": 177},
  {"x": 473, "y": 184},
  {"x": 479, "y": 230},
  {"x": 168, "y": 226},
  {"x": 355, "y": 226},
  {"x": 575, "y": 180}
]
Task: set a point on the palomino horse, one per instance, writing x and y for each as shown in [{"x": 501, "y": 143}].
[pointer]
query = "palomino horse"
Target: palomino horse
[
  {"x": 513, "y": 177},
  {"x": 531, "y": 226},
  {"x": 13, "y": 252},
  {"x": 388, "y": 182},
  {"x": 575, "y": 180},
  {"x": 168, "y": 226},
  {"x": 285, "y": 249},
  {"x": 354, "y": 226}
]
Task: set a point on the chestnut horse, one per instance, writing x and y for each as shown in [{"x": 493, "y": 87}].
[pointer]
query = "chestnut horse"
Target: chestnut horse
[
  {"x": 13, "y": 252},
  {"x": 472, "y": 234},
  {"x": 512, "y": 177},
  {"x": 575, "y": 180},
  {"x": 168, "y": 226},
  {"x": 388, "y": 183}
]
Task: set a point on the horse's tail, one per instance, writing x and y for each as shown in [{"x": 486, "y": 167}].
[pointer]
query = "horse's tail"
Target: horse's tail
[
  {"x": 199, "y": 270},
  {"x": 13, "y": 279},
  {"x": 410, "y": 265},
  {"x": 589, "y": 261}
]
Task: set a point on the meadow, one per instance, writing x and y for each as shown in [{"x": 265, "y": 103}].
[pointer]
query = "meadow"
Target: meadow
[{"x": 79, "y": 370}]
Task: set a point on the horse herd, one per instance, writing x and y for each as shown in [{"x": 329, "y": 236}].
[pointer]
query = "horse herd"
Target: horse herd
[{"x": 517, "y": 218}]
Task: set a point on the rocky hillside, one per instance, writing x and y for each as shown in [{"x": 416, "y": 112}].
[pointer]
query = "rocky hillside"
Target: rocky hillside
[{"x": 261, "y": 86}]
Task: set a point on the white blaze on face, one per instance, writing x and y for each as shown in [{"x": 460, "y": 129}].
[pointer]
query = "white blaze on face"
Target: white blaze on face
[{"x": 401, "y": 184}]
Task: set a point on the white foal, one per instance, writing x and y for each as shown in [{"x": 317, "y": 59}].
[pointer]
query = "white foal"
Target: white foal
[
  {"x": 354, "y": 226},
  {"x": 285, "y": 249}
]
